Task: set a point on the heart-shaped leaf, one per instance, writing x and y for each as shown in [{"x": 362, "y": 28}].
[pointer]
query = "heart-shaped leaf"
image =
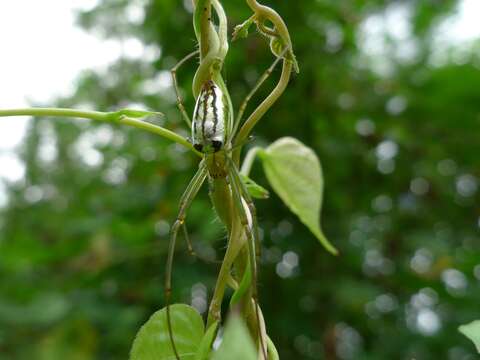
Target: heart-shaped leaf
[
  {"x": 153, "y": 341},
  {"x": 472, "y": 331},
  {"x": 295, "y": 174}
]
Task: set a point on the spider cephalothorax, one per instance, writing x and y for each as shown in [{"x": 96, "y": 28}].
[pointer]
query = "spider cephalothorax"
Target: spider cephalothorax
[{"x": 209, "y": 119}]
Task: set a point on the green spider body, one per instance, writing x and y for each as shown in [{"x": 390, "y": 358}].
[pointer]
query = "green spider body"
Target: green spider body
[{"x": 212, "y": 133}]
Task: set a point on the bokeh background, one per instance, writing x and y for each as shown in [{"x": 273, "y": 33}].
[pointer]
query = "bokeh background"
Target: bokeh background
[{"x": 388, "y": 96}]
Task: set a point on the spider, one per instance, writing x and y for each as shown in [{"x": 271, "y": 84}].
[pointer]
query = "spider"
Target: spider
[{"x": 213, "y": 134}]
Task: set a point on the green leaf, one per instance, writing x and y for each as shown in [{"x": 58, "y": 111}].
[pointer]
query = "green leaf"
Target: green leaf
[
  {"x": 472, "y": 331},
  {"x": 295, "y": 174},
  {"x": 153, "y": 342},
  {"x": 206, "y": 343},
  {"x": 236, "y": 343},
  {"x": 256, "y": 191}
]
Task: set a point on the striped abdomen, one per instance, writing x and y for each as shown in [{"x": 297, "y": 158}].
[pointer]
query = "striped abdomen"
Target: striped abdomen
[{"x": 209, "y": 119}]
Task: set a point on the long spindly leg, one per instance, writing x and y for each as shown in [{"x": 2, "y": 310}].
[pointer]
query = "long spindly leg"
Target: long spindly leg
[
  {"x": 259, "y": 83},
  {"x": 242, "y": 200},
  {"x": 187, "y": 239},
  {"x": 192, "y": 251},
  {"x": 173, "y": 71},
  {"x": 185, "y": 202}
]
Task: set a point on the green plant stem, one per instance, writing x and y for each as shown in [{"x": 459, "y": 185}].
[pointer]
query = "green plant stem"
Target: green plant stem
[
  {"x": 170, "y": 135},
  {"x": 209, "y": 43},
  {"x": 206, "y": 26},
  {"x": 235, "y": 244},
  {"x": 263, "y": 107},
  {"x": 222, "y": 29},
  {"x": 110, "y": 117},
  {"x": 92, "y": 115},
  {"x": 243, "y": 286},
  {"x": 264, "y": 12}
]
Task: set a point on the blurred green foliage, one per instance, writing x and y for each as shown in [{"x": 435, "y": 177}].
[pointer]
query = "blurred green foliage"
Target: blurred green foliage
[{"x": 84, "y": 236}]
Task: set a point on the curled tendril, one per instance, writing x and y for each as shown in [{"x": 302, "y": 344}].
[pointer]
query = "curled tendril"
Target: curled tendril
[
  {"x": 264, "y": 13},
  {"x": 280, "y": 42}
]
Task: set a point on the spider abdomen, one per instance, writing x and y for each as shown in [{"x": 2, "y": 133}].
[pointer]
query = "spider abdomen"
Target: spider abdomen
[{"x": 209, "y": 119}]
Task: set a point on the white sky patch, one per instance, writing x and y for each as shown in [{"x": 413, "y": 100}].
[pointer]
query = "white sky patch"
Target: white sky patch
[
  {"x": 12, "y": 168},
  {"x": 387, "y": 36},
  {"x": 456, "y": 33},
  {"x": 464, "y": 26},
  {"x": 42, "y": 54}
]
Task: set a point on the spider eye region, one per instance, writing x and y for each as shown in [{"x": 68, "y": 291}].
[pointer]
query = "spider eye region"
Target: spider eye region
[
  {"x": 217, "y": 145},
  {"x": 212, "y": 147}
]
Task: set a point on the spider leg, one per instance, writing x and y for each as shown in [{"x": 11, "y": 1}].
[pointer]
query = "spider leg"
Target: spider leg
[
  {"x": 185, "y": 202},
  {"x": 187, "y": 239},
  {"x": 192, "y": 251},
  {"x": 259, "y": 83},
  {"x": 173, "y": 72},
  {"x": 242, "y": 201}
]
